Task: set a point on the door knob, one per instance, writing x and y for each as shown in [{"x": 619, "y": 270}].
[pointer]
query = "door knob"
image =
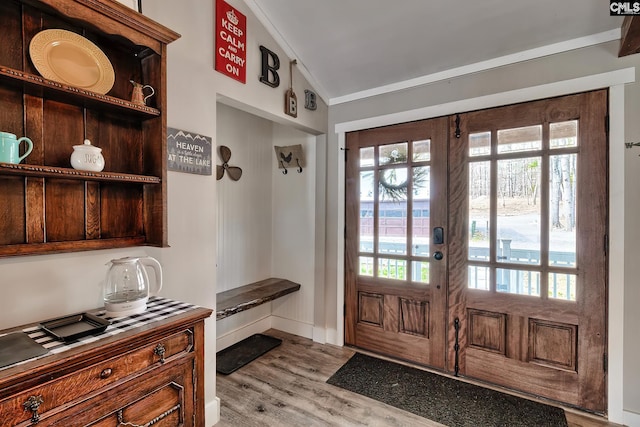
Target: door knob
[{"x": 438, "y": 255}]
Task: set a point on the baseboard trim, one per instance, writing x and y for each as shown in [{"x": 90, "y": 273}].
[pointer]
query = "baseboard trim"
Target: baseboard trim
[
  {"x": 631, "y": 418},
  {"x": 292, "y": 327},
  {"x": 332, "y": 338},
  {"x": 319, "y": 335},
  {"x": 243, "y": 332},
  {"x": 212, "y": 412},
  {"x": 286, "y": 325}
]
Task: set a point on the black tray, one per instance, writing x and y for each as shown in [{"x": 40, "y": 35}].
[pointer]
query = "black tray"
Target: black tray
[
  {"x": 16, "y": 347},
  {"x": 72, "y": 327}
]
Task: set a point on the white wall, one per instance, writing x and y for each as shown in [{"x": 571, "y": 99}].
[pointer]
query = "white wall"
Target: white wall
[
  {"x": 194, "y": 91},
  {"x": 431, "y": 98},
  {"x": 266, "y": 224},
  {"x": 244, "y": 218},
  {"x": 188, "y": 263},
  {"x": 244, "y": 206},
  {"x": 294, "y": 240},
  {"x": 44, "y": 286}
]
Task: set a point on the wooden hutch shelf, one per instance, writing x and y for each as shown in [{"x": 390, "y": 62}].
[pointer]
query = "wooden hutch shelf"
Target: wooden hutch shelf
[
  {"x": 72, "y": 246},
  {"x": 68, "y": 173},
  {"x": 47, "y": 206},
  {"x": 72, "y": 95}
]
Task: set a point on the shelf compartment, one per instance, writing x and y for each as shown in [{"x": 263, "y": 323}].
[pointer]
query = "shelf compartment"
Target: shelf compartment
[
  {"x": 68, "y": 173},
  {"x": 72, "y": 246},
  {"x": 72, "y": 94}
]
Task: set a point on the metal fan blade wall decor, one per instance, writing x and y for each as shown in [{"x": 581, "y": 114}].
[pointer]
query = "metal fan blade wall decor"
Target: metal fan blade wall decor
[{"x": 234, "y": 172}]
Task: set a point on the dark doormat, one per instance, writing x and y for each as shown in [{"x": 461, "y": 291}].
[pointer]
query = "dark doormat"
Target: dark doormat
[
  {"x": 442, "y": 399},
  {"x": 235, "y": 357}
]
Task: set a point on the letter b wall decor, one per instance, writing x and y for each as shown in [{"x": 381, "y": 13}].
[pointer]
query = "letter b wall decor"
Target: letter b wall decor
[{"x": 270, "y": 70}]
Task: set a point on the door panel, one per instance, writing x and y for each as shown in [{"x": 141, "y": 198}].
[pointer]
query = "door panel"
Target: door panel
[
  {"x": 395, "y": 290},
  {"x": 528, "y": 276},
  {"x": 521, "y": 195}
]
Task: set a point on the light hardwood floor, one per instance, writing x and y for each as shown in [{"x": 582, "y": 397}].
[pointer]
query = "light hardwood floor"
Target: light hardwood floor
[{"x": 287, "y": 388}]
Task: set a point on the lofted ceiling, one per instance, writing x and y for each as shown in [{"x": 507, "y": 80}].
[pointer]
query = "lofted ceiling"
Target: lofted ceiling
[{"x": 350, "y": 49}]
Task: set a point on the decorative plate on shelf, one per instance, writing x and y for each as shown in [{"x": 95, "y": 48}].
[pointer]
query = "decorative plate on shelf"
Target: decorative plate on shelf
[{"x": 68, "y": 58}]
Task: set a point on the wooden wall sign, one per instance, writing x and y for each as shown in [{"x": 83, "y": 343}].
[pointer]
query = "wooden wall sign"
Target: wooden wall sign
[
  {"x": 290, "y": 98},
  {"x": 231, "y": 42},
  {"x": 188, "y": 152}
]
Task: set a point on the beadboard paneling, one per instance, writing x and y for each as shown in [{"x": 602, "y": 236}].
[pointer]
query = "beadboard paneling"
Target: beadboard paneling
[
  {"x": 244, "y": 206},
  {"x": 266, "y": 220},
  {"x": 293, "y": 230}
]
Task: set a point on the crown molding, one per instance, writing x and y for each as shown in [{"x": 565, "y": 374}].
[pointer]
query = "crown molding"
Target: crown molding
[{"x": 501, "y": 61}]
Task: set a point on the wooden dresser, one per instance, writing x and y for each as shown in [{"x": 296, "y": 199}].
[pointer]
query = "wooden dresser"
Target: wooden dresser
[{"x": 147, "y": 373}]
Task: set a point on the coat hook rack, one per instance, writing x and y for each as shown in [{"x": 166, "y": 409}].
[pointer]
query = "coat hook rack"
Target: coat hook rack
[
  {"x": 632, "y": 144},
  {"x": 289, "y": 157}
]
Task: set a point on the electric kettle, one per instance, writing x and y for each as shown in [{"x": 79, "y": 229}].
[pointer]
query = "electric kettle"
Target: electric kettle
[{"x": 127, "y": 287}]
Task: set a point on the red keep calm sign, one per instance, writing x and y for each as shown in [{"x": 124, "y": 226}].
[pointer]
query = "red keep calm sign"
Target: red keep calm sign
[{"x": 231, "y": 41}]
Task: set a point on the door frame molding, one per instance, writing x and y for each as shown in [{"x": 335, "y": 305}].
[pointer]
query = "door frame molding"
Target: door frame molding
[{"x": 614, "y": 81}]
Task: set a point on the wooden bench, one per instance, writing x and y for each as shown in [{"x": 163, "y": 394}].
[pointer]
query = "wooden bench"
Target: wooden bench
[{"x": 252, "y": 295}]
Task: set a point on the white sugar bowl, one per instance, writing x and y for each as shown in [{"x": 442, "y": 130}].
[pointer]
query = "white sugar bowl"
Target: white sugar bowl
[{"x": 87, "y": 157}]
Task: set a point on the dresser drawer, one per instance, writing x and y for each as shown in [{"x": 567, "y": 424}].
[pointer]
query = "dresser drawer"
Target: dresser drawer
[
  {"x": 49, "y": 398},
  {"x": 164, "y": 397}
]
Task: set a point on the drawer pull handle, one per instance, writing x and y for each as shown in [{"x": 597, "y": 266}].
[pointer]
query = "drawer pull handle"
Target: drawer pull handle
[
  {"x": 159, "y": 351},
  {"x": 122, "y": 422},
  {"x": 32, "y": 404},
  {"x": 106, "y": 373}
]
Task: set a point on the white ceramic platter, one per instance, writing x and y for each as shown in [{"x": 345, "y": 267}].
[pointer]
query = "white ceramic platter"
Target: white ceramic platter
[{"x": 68, "y": 58}]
